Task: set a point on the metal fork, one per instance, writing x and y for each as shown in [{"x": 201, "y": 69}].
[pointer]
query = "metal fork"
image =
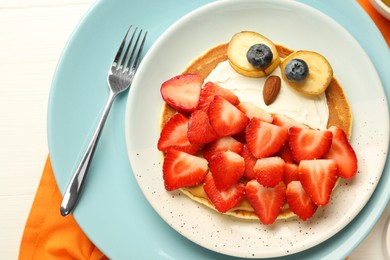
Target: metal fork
[{"x": 119, "y": 79}]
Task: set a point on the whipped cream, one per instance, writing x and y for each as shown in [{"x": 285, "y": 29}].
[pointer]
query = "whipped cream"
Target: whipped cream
[{"x": 310, "y": 110}]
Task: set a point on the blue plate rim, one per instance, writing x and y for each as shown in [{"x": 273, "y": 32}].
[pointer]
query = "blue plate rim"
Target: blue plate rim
[{"x": 375, "y": 214}]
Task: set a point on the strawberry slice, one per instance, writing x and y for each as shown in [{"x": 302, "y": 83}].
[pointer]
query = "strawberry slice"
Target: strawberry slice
[
  {"x": 318, "y": 178},
  {"x": 342, "y": 152},
  {"x": 250, "y": 162},
  {"x": 266, "y": 202},
  {"x": 269, "y": 171},
  {"x": 227, "y": 168},
  {"x": 285, "y": 121},
  {"x": 223, "y": 200},
  {"x": 299, "y": 202},
  {"x": 181, "y": 169},
  {"x": 174, "y": 135},
  {"x": 309, "y": 144},
  {"x": 291, "y": 173},
  {"x": 264, "y": 139},
  {"x": 252, "y": 110},
  {"x": 225, "y": 118},
  {"x": 226, "y": 143},
  {"x": 182, "y": 92},
  {"x": 211, "y": 89},
  {"x": 199, "y": 129}
]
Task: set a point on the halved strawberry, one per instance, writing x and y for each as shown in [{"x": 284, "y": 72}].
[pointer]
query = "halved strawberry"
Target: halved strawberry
[
  {"x": 227, "y": 168},
  {"x": 309, "y": 144},
  {"x": 225, "y": 118},
  {"x": 250, "y": 161},
  {"x": 226, "y": 143},
  {"x": 181, "y": 169},
  {"x": 223, "y": 200},
  {"x": 285, "y": 121},
  {"x": 291, "y": 173},
  {"x": 318, "y": 178},
  {"x": 265, "y": 139},
  {"x": 266, "y": 202},
  {"x": 269, "y": 171},
  {"x": 342, "y": 152},
  {"x": 209, "y": 90},
  {"x": 182, "y": 92},
  {"x": 174, "y": 135},
  {"x": 199, "y": 129},
  {"x": 251, "y": 110},
  {"x": 299, "y": 201}
]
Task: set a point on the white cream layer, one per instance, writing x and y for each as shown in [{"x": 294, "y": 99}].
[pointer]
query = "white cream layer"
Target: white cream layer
[{"x": 310, "y": 110}]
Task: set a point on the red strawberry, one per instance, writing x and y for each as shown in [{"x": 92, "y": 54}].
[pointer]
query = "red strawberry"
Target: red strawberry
[
  {"x": 182, "y": 92},
  {"x": 250, "y": 162},
  {"x": 252, "y": 110},
  {"x": 318, "y": 178},
  {"x": 174, "y": 135},
  {"x": 299, "y": 202},
  {"x": 309, "y": 144},
  {"x": 285, "y": 154},
  {"x": 264, "y": 139},
  {"x": 286, "y": 121},
  {"x": 199, "y": 129},
  {"x": 211, "y": 89},
  {"x": 266, "y": 202},
  {"x": 269, "y": 171},
  {"x": 181, "y": 169},
  {"x": 225, "y": 118},
  {"x": 342, "y": 152},
  {"x": 227, "y": 168},
  {"x": 226, "y": 143},
  {"x": 291, "y": 173},
  {"x": 223, "y": 200}
]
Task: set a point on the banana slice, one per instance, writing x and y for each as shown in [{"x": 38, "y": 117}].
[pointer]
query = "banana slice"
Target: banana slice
[
  {"x": 237, "y": 51},
  {"x": 319, "y": 75}
]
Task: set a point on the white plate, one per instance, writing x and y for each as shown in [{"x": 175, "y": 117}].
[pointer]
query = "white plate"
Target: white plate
[{"x": 291, "y": 24}]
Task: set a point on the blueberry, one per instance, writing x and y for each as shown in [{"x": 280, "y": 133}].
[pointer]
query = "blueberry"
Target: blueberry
[
  {"x": 259, "y": 55},
  {"x": 296, "y": 70}
]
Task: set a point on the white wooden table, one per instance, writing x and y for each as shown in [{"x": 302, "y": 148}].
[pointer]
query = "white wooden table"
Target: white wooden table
[{"x": 32, "y": 36}]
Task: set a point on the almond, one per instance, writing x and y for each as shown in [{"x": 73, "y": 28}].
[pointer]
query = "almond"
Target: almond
[{"x": 271, "y": 89}]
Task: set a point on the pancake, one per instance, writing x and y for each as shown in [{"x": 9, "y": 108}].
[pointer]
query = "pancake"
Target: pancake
[{"x": 339, "y": 115}]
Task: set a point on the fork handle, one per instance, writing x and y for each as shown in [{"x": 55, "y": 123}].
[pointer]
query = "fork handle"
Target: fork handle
[{"x": 76, "y": 184}]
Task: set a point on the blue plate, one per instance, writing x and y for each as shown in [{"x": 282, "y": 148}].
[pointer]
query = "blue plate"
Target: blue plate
[{"x": 130, "y": 228}]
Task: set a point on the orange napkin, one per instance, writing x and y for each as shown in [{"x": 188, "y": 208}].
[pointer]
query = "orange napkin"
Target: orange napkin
[{"x": 48, "y": 235}]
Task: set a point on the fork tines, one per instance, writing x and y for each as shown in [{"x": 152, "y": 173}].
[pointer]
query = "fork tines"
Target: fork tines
[{"x": 124, "y": 60}]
